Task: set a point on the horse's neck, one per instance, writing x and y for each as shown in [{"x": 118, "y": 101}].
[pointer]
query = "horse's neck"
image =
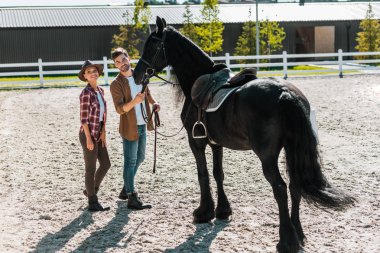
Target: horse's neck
[
  {"x": 191, "y": 64},
  {"x": 186, "y": 78}
]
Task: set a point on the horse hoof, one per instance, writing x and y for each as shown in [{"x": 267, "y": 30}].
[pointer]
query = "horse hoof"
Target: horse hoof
[
  {"x": 203, "y": 217},
  {"x": 223, "y": 214},
  {"x": 283, "y": 248},
  {"x": 302, "y": 239}
]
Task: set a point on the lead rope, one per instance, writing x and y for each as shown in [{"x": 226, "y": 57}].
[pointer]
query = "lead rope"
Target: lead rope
[{"x": 156, "y": 124}]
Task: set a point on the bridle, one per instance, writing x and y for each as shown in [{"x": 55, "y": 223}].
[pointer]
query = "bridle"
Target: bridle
[{"x": 151, "y": 69}]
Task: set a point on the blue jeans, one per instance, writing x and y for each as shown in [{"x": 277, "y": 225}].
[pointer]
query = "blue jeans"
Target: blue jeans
[{"x": 134, "y": 155}]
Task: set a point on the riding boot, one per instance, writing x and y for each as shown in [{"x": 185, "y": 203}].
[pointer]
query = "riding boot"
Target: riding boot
[
  {"x": 94, "y": 205},
  {"x": 123, "y": 194},
  {"x": 85, "y": 191},
  {"x": 135, "y": 203}
]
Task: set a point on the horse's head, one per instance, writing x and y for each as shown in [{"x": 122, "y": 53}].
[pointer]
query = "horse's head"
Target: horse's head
[{"x": 153, "y": 59}]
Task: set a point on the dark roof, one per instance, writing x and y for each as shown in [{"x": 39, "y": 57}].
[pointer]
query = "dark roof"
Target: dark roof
[{"x": 229, "y": 13}]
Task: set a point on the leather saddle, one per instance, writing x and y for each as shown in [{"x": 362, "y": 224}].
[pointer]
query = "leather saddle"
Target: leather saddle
[{"x": 206, "y": 86}]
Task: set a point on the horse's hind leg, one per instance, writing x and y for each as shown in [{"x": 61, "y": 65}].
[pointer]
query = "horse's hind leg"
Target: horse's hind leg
[
  {"x": 288, "y": 237},
  {"x": 223, "y": 208},
  {"x": 295, "y": 194},
  {"x": 205, "y": 212}
]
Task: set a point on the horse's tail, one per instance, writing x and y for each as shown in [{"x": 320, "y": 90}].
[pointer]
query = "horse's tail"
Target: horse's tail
[{"x": 303, "y": 162}]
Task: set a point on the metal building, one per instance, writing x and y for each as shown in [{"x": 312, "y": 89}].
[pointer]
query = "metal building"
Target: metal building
[{"x": 78, "y": 33}]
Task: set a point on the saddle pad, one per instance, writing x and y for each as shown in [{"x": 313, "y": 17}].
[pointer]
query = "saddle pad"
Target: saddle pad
[{"x": 218, "y": 98}]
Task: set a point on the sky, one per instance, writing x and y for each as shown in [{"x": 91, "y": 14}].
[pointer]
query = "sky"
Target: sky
[
  {"x": 15, "y": 3},
  {"x": 9, "y": 3},
  {"x": 59, "y": 2}
]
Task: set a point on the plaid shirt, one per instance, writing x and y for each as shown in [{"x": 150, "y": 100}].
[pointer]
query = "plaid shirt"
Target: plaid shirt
[{"x": 90, "y": 110}]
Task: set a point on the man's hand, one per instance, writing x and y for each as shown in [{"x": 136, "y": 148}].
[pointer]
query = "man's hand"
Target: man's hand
[
  {"x": 156, "y": 107},
  {"x": 139, "y": 98}
]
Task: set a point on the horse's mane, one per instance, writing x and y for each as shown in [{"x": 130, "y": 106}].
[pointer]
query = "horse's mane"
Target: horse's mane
[
  {"x": 198, "y": 56},
  {"x": 179, "y": 95}
]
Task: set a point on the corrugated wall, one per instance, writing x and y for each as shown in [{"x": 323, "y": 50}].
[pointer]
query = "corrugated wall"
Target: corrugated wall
[
  {"x": 80, "y": 43},
  {"x": 55, "y": 44}
]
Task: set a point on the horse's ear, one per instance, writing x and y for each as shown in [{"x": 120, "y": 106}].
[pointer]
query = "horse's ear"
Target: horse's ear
[
  {"x": 159, "y": 25},
  {"x": 164, "y": 22}
]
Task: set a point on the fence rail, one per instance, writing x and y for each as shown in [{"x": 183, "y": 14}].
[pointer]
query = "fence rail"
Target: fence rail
[{"x": 338, "y": 62}]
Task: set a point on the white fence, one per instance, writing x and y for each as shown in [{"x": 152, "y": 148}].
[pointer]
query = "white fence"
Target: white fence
[{"x": 339, "y": 63}]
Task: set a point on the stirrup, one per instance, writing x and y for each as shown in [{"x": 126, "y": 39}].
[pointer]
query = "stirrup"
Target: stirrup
[{"x": 200, "y": 123}]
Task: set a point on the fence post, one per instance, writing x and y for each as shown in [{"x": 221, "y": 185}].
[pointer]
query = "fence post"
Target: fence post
[
  {"x": 228, "y": 62},
  {"x": 105, "y": 70},
  {"x": 285, "y": 62},
  {"x": 40, "y": 72},
  {"x": 168, "y": 73},
  {"x": 340, "y": 61}
]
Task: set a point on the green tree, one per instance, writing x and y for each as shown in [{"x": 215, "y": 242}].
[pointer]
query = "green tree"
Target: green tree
[
  {"x": 135, "y": 28},
  {"x": 188, "y": 28},
  {"x": 210, "y": 30},
  {"x": 271, "y": 37},
  {"x": 369, "y": 38},
  {"x": 246, "y": 44}
]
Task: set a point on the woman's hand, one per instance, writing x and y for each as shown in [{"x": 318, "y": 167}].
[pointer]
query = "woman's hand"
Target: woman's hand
[
  {"x": 90, "y": 144},
  {"x": 103, "y": 138}
]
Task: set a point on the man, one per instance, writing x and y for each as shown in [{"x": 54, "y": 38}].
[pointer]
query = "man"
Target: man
[{"x": 133, "y": 107}]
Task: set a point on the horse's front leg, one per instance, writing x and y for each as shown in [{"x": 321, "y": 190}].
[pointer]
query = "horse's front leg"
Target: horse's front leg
[
  {"x": 223, "y": 208},
  {"x": 205, "y": 212}
]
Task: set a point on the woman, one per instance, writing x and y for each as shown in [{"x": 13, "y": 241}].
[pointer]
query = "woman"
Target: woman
[{"x": 92, "y": 134}]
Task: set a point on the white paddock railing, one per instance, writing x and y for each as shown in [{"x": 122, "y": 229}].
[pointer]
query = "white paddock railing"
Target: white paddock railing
[
  {"x": 341, "y": 62},
  {"x": 41, "y": 73},
  {"x": 282, "y": 61}
]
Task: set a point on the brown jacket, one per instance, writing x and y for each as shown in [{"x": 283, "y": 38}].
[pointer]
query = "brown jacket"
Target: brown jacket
[{"x": 121, "y": 94}]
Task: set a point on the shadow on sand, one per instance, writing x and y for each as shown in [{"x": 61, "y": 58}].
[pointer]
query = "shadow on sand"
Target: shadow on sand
[
  {"x": 110, "y": 235},
  {"x": 107, "y": 237},
  {"x": 55, "y": 242},
  {"x": 202, "y": 238}
]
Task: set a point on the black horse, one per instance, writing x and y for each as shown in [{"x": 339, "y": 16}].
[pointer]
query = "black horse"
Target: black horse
[{"x": 264, "y": 115}]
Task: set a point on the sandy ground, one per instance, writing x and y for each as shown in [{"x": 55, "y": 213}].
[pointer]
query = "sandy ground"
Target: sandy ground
[{"x": 42, "y": 176}]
